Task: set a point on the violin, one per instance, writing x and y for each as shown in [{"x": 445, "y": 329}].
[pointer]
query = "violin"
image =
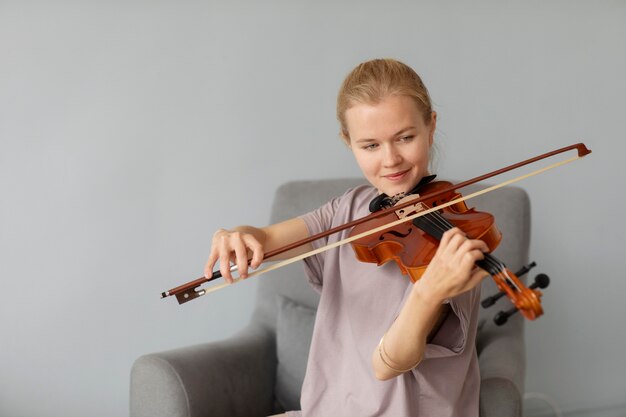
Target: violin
[
  {"x": 412, "y": 245},
  {"x": 438, "y": 207}
]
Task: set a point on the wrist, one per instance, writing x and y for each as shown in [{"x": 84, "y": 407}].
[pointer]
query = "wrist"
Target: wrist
[{"x": 426, "y": 295}]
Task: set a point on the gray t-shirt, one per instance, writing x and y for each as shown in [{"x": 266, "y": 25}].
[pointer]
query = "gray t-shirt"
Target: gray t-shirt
[{"x": 359, "y": 302}]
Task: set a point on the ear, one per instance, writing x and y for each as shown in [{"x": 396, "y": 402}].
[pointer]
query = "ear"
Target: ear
[{"x": 433, "y": 127}]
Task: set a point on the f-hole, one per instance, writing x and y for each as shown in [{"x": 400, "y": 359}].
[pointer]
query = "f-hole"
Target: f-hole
[{"x": 396, "y": 234}]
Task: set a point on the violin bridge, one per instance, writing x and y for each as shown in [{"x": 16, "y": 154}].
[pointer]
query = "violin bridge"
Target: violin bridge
[{"x": 412, "y": 209}]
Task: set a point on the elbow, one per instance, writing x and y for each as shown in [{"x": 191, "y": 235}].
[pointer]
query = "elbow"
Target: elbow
[
  {"x": 384, "y": 373},
  {"x": 384, "y": 376},
  {"x": 381, "y": 372}
]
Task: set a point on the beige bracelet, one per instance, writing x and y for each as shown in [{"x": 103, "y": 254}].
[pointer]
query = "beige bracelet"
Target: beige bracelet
[{"x": 383, "y": 353}]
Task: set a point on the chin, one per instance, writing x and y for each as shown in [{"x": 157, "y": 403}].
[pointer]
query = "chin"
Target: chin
[
  {"x": 392, "y": 188},
  {"x": 404, "y": 187},
  {"x": 391, "y": 191}
]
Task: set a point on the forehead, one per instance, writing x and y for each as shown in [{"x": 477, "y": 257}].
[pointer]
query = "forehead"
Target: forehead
[{"x": 373, "y": 120}]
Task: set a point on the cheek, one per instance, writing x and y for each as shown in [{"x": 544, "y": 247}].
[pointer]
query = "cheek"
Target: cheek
[
  {"x": 366, "y": 162},
  {"x": 422, "y": 154}
]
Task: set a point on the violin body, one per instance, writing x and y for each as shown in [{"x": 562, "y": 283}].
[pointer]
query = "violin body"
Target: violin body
[
  {"x": 411, "y": 247},
  {"x": 413, "y": 244}
]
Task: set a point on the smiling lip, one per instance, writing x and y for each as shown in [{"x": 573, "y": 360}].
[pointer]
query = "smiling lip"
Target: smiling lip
[{"x": 397, "y": 176}]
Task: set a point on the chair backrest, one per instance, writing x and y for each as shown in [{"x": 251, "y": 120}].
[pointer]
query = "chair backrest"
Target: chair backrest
[{"x": 509, "y": 205}]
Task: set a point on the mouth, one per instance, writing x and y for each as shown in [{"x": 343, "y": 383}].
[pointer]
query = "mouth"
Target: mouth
[{"x": 397, "y": 176}]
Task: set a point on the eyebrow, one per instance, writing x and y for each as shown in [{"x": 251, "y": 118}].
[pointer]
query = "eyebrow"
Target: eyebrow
[{"x": 365, "y": 140}]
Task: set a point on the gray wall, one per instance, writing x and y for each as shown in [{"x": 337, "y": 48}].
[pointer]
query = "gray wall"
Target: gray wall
[{"x": 130, "y": 131}]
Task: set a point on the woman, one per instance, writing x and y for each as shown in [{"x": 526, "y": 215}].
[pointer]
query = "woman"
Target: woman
[{"x": 381, "y": 346}]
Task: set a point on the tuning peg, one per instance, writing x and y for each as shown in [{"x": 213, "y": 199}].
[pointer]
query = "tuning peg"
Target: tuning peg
[
  {"x": 523, "y": 270},
  {"x": 489, "y": 301},
  {"x": 503, "y": 316},
  {"x": 541, "y": 281}
]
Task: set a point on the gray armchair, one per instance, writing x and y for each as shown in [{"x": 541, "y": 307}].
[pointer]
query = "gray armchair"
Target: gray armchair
[{"x": 266, "y": 360}]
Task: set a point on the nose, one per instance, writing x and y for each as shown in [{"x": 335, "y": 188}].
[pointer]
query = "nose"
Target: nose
[{"x": 392, "y": 157}]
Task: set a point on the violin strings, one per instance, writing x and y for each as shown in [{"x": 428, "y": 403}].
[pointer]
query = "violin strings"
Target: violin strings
[
  {"x": 490, "y": 259},
  {"x": 441, "y": 224}
]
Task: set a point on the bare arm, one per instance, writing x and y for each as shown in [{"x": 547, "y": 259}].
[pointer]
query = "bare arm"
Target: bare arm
[
  {"x": 242, "y": 242},
  {"x": 451, "y": 272}
]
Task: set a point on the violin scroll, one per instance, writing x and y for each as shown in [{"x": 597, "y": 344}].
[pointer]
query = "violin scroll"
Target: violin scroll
[{"x": 526, "y": 300}]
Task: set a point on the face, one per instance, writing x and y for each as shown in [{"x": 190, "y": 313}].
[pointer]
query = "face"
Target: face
[{"x": 391, "y": 142}]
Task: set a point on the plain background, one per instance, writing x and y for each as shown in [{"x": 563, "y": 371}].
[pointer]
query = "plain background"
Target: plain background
[{"x": 130, "y": 131}]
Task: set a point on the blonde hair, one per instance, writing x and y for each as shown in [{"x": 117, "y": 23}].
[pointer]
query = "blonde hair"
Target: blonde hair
[{"x": 373, "y": 81}]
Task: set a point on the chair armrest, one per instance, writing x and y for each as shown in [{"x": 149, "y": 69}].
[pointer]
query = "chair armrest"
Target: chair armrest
[
  {"x": 499, "y": 397},
  {"x": 502, "y": 358},
  {"x": 234, "y": 377}
]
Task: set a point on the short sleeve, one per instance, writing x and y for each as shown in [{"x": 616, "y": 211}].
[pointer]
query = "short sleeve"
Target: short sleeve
[
  {"x": 451, "y": 338},
  {"x": 317, "y": 221}
]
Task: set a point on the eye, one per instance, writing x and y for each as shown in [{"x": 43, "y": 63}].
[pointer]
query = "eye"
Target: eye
[
  {"x": 370, "y": 147},
  {"x": 407, "y": 138}
]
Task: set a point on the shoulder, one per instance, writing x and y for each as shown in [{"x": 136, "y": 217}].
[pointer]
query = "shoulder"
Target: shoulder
[
  {"x": 356, "y": 200},
  {"x": 352, "y": 204},
  {"x": 361, "y": 191}
]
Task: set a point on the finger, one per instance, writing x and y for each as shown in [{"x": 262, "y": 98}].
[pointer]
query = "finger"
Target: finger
[
  {"x": 225, "y": 266},
  {"x": 468, "y": 259},
  {"x": 474, "y": 244},
  {"x": 481, "y": 245},
  {"x": 454, "y": 238},
  {"x": 478, "y": 274},
  {"x": 445, "y": 237},
  {"x": 210, "y": 263},
  {"x": 257, "y": 251},
  {"x": 241, "y": 256},
  {"x": 449, "y": 234}
]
